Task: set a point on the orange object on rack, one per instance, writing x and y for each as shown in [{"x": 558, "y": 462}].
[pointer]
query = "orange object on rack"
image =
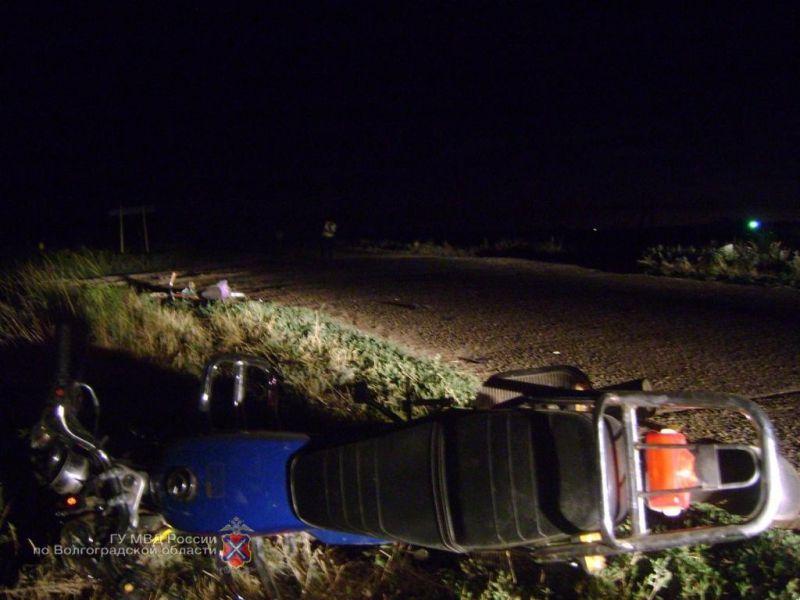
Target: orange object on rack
[{"x": 667, "y": 469}]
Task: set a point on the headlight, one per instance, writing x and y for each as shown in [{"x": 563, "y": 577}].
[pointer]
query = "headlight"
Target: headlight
[{"x": 63, "y": 470}]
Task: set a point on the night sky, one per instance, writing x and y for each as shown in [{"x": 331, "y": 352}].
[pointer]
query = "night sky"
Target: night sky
[{"x": 465, "y": 120}]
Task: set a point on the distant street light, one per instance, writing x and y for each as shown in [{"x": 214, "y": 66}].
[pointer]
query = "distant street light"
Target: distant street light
[{"x": 753, "y": 224}]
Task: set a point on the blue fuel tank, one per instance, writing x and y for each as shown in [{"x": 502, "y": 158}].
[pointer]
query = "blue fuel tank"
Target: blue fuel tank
[{"x": 243, "y": 476}]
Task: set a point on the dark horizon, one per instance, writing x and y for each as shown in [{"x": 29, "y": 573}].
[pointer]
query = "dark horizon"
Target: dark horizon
[{"x": 414, "y": 122}]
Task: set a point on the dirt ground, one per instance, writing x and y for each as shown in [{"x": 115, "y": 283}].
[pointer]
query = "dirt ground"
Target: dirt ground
[{"x": 488, "y": 315}]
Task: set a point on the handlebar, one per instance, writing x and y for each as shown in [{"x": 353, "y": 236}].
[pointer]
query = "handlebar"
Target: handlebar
[{"x": 61, "y": 437}]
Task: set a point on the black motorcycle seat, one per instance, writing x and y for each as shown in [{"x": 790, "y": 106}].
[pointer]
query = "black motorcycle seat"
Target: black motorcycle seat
[{"x": 462, "y": 481}]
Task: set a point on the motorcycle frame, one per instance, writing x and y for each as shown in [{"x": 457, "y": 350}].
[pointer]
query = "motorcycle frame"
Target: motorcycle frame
[{"x": 628, "y": 402}]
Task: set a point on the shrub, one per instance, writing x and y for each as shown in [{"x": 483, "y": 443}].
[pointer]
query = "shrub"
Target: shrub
[{"x": 746, "y": 262}]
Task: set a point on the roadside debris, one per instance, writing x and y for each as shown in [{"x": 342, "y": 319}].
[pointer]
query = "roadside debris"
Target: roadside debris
[
  {"x": 187, "y": 293},
  {"x": 401, "y": 304},
  {"x": 219, "y": 291},
  {"x": 477, "y": 360}
]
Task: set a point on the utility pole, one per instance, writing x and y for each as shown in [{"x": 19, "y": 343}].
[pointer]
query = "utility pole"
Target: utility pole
[
  {"x": 144, "y": 228},
  {"x": 121, "y": 233}
]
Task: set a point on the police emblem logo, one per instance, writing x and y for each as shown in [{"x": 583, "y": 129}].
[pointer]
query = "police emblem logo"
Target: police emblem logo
[{"x": 236, "y": 551}]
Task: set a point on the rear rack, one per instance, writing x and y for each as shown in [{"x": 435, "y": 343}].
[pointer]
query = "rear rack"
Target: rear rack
[{"x": 641, "y": 537}]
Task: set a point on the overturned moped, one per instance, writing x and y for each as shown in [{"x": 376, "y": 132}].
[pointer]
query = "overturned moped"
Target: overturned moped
[{"x": 545, "y": 462}]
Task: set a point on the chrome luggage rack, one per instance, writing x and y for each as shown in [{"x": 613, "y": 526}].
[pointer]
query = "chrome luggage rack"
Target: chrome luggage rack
[{"x": 641, "y": 538}]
